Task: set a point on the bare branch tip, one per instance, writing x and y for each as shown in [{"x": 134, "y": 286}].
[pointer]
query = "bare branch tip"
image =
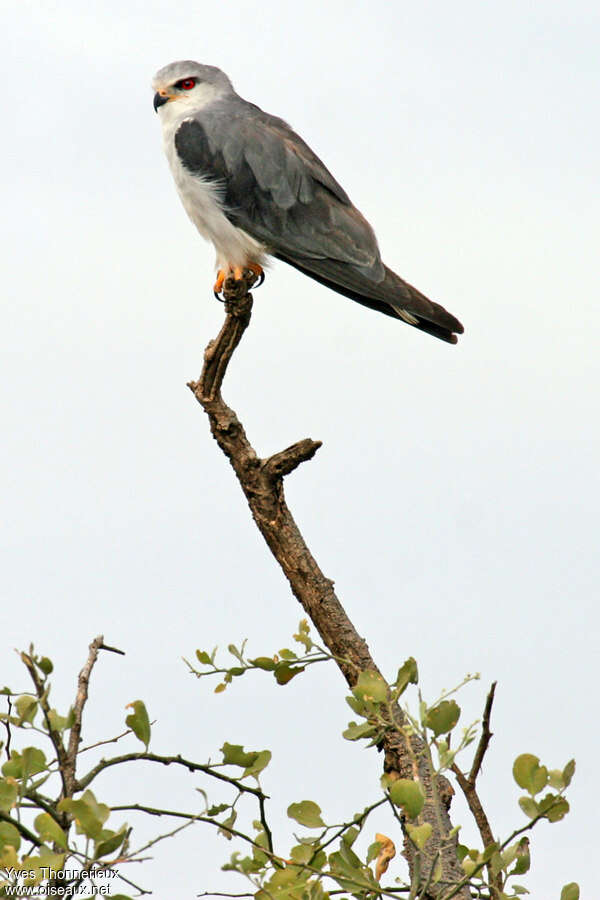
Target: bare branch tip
[{"x": 111, "y": 649}]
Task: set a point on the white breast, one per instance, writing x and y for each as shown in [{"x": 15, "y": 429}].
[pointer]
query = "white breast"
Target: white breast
[{"x": 203, "y": 202}]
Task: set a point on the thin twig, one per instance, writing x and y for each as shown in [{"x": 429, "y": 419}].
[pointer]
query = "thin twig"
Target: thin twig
[
  {"x": 218, "y": 894},
  {"x": 6, "y": 724},
  {"x": 467, "y": 785},
  {"x": 359, "y": 821},
  {"x": 191, "y": 818},
  {"x": 108, "y": 741},
  {"x": 486, "y": 735},
  {"x": 264, "y": 823},
  {"x": 167, "y": 761}
]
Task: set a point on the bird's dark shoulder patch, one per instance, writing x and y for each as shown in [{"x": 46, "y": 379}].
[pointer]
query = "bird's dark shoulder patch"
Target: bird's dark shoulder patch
[
  {"x": 193, "y": 149},
  {"x": 242, "y": 196}
]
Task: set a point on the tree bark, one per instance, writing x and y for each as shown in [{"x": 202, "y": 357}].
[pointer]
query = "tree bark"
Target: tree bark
[{"x": 262, "y": 483}]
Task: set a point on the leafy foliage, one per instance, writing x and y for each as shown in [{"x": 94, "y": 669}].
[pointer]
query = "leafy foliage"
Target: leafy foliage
[{"x": 52, "y": 821}]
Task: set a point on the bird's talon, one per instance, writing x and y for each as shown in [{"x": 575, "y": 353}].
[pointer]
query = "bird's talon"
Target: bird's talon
[{"x": 218, "y": 285}]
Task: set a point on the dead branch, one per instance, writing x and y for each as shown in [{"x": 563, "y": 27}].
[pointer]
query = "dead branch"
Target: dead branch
[
  {"x": 262, "y": 483},
  {"x": 83, "y": 681}
]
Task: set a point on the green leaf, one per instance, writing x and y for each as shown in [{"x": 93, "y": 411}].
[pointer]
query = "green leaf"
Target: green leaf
[
  {"x": 9, "y": 836},
  {"x": 282, "y": 878},
  {"x": 419, "y": 834},
  {"x": 348, "y": 855},
  {"x": 284, "y": 672},
  {"x": 350, "y": 836},
  {"x": 228, "y": 823},
  {"x": 523, "y": 859},
  {"x": 89, "y": 815},
  {"x": 261, "y": 762},
  {"x": 554, "y": 807},
  {"x": 370, "y": 686},
  {"x": 529, "y": 807},
  {"x": 203, "y": 657},
  {"x": 355, "y": 732},
  {"x": 373, "y": 851},
  {"x": 568, "y": 772},
  {"x": 110, "y": 842},
  {"x": 409, "y": 795},
  {"x": 235, "y": 652},
  {"x": 306, "y": 813},
  {"x": 357, "y": 706},
  {"x": 264, "y": 662},
  {"x": 443, "y": 717},
  {"x": 21, "y": 765},
  {"x": 556, "y": 780},
  {"x": 302, "y": 853},
  {"x": 489, "y": 851},
  {"x": 461, "y": 852},
  {"x": 139, "y": 722},
  {"x": 288, "y": 654},
  {"x": 235, "y": 755},
  {"x": 27, "y": 707},
  {"x": 60, "y": 723},
  {"x": 8, "y": 794},
  {"x": 570, "y": 891},
  {"x": 49, "y": 830},
  {"x": 220, "y": 687},
  {"x": 45, "y": 665},
  {"x": 407, "y": 674},
  {"x": 528, "y": 773},
  {"x": 217, "y": 808},
  {"x": 302, "y": 636},
  {"x": 446, "y": 756},
  {"x": 44, "y": 859}
]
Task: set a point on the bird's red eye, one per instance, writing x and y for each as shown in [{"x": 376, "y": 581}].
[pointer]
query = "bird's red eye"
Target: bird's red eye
[{"x": 187, "y": 84}]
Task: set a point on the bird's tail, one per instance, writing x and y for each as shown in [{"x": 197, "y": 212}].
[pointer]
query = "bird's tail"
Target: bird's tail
[
  {"x": 414, "y": 308},
  {"x": 392, "y": 296}
]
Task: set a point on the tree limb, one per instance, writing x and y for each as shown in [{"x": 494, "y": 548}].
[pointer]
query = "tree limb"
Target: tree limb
[
  {"x": 262, "y": 483},
  {"x": 68, "y": 771}
]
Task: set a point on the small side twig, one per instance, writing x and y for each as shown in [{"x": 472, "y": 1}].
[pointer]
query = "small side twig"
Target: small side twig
[
  {"x": 468, "y": 785},
  {"x": 6, "y": 724},
  {"x": 283, "y": 463},
  {"x": 107, "y": 741},
  {"x": 80, "y": 700},
  {"x": 166, "y": 761},
  {"x": 486, "y": 735}
]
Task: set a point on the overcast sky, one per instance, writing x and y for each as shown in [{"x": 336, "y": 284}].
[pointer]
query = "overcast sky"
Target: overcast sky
[{"x": 455, "y": 499}]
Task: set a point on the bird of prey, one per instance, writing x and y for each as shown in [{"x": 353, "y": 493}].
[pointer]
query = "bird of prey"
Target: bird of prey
[{"x": 254, "y": 188}]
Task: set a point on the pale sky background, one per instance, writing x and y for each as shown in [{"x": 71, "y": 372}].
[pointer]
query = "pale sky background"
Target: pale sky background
[{"x": 455, "y": 499}]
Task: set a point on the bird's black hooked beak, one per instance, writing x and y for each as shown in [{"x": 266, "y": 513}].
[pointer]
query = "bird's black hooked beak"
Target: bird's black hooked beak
[{"x": 159, "y": 101}]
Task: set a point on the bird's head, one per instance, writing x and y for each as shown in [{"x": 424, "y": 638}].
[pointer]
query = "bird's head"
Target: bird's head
[{"x": 185, "y": 86}]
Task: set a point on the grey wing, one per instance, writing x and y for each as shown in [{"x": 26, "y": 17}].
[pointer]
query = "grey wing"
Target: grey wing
[
  {"x": 278, "y": 191},
  {"x": 276, "y": 188}
]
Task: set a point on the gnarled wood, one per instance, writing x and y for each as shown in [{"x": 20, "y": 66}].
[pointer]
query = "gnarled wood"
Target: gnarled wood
[{"x": 262, "y": 483}]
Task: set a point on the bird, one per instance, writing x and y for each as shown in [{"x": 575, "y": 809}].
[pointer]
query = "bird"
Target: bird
[{"x": 254, "y": 188}]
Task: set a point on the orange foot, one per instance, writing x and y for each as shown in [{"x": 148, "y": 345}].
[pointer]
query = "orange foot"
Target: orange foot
[{"x": 237, "y": 272}]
